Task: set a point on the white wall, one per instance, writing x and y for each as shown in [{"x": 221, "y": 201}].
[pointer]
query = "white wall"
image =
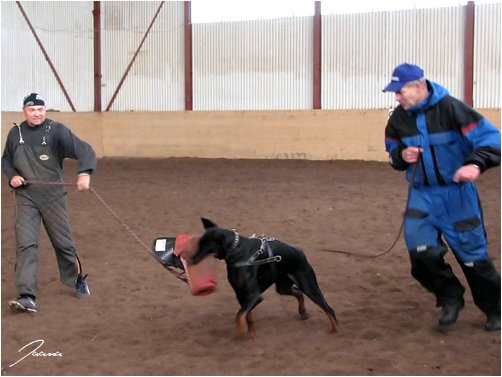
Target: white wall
[{"x": 248, "y": 65}]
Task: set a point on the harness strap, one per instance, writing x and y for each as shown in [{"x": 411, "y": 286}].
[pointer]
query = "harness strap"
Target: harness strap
[
  {"x": 47, "y": 129},
  {"x": 21, "y": 140},
  {"x": 252, "y": 261}
]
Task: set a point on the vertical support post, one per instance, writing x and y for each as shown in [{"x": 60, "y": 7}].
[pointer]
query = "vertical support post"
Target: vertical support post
[
  {"x": 97, "y": 55},
  {"x": 188, "y": 56},
  {"x": 469, "y": 54},
  {"x": 317, "y": 57}
]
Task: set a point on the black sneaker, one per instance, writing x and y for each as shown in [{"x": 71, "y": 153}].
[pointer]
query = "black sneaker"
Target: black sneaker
[
  {"x": 23, "y": 304},
  {"x": 449, "y": 313},
  {"x": 493, "y": 322},
  {"x": 82, "y": 289}
]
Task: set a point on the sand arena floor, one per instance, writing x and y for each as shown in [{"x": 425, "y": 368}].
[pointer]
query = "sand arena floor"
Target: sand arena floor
[{"x": 141, "y": 320}]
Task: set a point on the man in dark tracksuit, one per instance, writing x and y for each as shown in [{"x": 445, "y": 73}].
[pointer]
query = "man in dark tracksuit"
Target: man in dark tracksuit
[
  {"x": 444, "y": 145},
  {"x": 33, "y": 164}
]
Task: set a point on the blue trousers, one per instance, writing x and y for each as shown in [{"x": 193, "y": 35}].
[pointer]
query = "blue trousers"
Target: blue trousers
[
  {"x": 451, "y": 215},
  {"x": 451, "y": 211}
]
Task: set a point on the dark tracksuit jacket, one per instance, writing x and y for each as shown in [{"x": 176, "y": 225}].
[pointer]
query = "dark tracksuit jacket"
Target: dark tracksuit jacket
[
  {"x": 451, "y": 135},
  {"x": 37, "y": 154}
]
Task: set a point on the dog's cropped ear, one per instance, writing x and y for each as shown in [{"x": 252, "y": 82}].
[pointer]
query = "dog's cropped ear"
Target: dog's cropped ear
[{"x": 208, "y": 223}]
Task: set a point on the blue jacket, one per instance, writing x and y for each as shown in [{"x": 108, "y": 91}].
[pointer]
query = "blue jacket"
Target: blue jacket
[{"x": 450, "y": 133}]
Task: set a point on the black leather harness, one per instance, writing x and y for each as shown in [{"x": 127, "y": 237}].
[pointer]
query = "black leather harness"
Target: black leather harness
[{"x": 254, "y": 260}]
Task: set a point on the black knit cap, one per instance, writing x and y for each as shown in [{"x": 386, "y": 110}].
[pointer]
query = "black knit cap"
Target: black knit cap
[{"x": 33, "y": 99}]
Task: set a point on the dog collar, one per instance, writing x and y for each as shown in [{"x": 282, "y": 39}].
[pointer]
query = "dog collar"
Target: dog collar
[{"x": 236, "y": 239}]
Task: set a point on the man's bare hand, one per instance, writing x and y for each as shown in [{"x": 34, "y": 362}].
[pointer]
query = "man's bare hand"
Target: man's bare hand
[
  {"x": 83, "y": 182},
  {"x": 467, "y": 173},
  {"x": 411, "y": 154},
  {"x": 17, "y": 181}
]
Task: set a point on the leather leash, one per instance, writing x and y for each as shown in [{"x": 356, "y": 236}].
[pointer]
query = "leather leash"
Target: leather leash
[
  {"x": 179, "y": 275},
  {"x": 410, "y": 185}
]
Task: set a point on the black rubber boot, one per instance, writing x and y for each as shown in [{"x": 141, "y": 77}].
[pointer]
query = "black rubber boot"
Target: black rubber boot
[{"x": 449, "y": 313}]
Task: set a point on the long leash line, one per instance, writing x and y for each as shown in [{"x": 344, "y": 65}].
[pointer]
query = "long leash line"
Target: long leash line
[
  {"x": 410, "y": 185},
  {"x": 180, "y": 276}
]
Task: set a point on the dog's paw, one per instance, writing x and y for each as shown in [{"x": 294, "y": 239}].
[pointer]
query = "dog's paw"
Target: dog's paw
[
  {"x": 240, "y": 329},
  {"x": 239, "y": 335},
  {"x": 303, "y": 315}
]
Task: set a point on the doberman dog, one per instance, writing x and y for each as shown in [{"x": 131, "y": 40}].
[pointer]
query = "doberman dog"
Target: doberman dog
[{"x": 254, "y": 264}]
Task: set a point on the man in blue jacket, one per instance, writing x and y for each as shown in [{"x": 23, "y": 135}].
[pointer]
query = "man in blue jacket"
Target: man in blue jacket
[{"x": 444, "y": 146}]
